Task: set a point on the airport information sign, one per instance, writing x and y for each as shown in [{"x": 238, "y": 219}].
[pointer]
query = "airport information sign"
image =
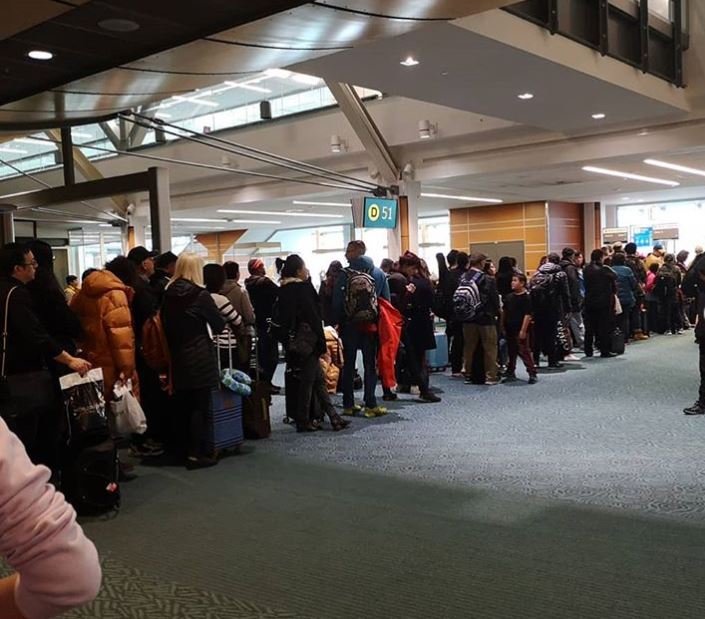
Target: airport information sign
[{"x": 380, "y": 213}]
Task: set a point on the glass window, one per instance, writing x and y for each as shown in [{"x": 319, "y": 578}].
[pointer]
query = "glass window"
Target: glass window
[{"x": 688, "y": 215}]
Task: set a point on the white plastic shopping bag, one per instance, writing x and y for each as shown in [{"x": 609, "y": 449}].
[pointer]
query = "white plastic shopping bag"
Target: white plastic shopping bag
[{"x": 127, "y": 414}]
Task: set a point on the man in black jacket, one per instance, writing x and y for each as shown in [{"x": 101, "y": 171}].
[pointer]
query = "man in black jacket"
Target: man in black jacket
[
  {"x": 28, "y": 348},
  {"x": 448, "y": 280},
  {"x": 482, "y": 328},
  {"x": 263, "y": 295},
  {"x": 573, "y": 315},
  {"x": 164, "y": 266},
  {"x": 600, "y": 288},
  {"x": 699, "y": 407}
]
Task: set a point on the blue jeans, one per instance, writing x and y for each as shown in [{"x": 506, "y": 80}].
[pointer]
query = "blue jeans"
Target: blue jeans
[{"x": 354, "y": 340}]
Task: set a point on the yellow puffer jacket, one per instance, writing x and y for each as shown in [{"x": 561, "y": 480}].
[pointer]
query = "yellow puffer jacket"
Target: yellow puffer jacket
[
  {"x": 103, "y": 307},
  {"x": 332, "y": 359}
]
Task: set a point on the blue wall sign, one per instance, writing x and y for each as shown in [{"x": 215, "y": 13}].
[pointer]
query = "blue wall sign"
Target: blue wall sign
[{"x": 380, "y": 213}]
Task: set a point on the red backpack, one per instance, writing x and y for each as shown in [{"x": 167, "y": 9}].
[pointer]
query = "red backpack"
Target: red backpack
[{"x": 155, "y": 348}]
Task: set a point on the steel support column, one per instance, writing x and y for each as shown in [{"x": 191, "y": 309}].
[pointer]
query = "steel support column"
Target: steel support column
[
  {"x": 678, "y": 42},
  {"x": 603, "y": 21},
  {"x": 644, "y": 34},
  {"x": 160, "y": 208},
  {"x": 365, "y": 128},
  {"x": 67, "y": 156}
]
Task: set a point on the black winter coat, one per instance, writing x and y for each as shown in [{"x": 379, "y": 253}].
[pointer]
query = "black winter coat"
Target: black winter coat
[
  {"x": 186, "y": 312},
  {"x": 600, "y": 286},
  {"x": 298, "y": 302},
  {"x": 263, "y": 294},
  {"x": 420, "y": 326},
  {"x": 573, "y": 285}
]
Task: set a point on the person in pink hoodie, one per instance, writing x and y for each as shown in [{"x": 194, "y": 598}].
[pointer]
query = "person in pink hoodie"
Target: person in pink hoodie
[{"x": 57, "y": 567}]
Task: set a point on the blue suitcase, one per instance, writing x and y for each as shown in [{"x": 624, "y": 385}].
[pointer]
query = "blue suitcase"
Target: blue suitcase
[
  {"x": 225, "y": 420},
  {"x": 437, "y": 359}
]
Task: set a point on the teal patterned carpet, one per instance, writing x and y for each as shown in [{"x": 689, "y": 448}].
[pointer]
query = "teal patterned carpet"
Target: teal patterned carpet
[{"x": 580, "y": 497}]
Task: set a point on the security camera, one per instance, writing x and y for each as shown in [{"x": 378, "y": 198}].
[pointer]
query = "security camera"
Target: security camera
[{"x": 130, "y": 209}]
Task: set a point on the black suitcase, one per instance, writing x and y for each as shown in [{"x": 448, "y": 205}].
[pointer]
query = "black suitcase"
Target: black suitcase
[
  {"x": 90, "y": 479},
  {"x": 617, "y": 343},
  {"x": 255, "y": 408},
  {"x": 292, "y": 383}
]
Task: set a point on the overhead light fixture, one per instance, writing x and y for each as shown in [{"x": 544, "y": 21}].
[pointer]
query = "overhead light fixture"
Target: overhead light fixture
[
  {"x": 599, "y": 116},
  {"x": 280, "y": 73},
  {"x": 194, "y": 99},
  {"x": 309, "y": 80},
  {"x": 626, "y": 198},
  {"x": 461, "y": 198},
  {"x": 196, "y": 220},
  {"x": 634, "y": 177},
  {"x": 254, "y": 221},
  {"x": 310, "y": 203},
  {"x": 35, "y": 141},
  {"x": 427, "y": 130},
  {"x": 248, "y": 86},
  {"x": 9, "y": 149},
  {"x": 118, "y": 25},
  {"x": 40, "y": 54},
  {"x": 526, "y": 96},
  {"x": 409, "y": 61},
  {"x": 275, "y": 213},
  {"x": 674, "y": 166}
]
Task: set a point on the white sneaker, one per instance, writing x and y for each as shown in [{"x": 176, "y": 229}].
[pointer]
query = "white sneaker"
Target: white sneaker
[
  {"x": 571, "y": 358},
  {"x": 415, "y": 390}
]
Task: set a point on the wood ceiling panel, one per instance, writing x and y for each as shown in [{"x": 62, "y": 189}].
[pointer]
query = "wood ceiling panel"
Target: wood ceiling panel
[{"x": 19, "y": 16}]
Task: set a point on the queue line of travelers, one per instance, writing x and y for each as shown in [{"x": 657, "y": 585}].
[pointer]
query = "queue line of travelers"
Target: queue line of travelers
[{"x": 493, "y": 317}]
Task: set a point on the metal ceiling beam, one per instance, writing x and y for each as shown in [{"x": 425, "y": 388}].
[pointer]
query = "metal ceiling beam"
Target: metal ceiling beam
[
  {"x": 89, "y": 171},
  {"x": 110, "y": 134},
  {"x": 89, "y": 190},
  {"x": 366, "y": 130},
  {"x": 139, "y": 132}
]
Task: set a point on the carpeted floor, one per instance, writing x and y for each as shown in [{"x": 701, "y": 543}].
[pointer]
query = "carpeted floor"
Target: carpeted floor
[{"x": 578, "y": 497}]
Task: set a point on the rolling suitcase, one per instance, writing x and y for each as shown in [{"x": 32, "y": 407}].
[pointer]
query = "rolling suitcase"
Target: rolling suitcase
[
  {"x": 617, "y": 343},
  {"x": 224, "y": 416},
  {"x": 437, "y": 359},
  {"x": 255, "y": 408}
]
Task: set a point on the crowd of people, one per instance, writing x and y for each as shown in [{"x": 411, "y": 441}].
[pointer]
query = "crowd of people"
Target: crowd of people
[{"x": 388, "y": 315}]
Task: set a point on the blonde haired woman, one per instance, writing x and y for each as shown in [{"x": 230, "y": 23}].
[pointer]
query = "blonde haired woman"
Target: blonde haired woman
[{"x": 187, "y": 312}]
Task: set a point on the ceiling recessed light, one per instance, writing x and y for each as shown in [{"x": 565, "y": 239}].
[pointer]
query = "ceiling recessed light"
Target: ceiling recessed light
[
  {"x": 275, "y": 213},
  {"x": 310, "y": 203},
  {"x": 40, "y": 54},
  {"x": 446, "y": 196},
  {"x": 674, "y": 166},
  {"x": 629, "y": 175},
  {"x": 599, "y": 116},
  {"x": 409, "y": 61},
  {"x": 118, "y": 25},
  {"x": 626, "y": 198},
  {"x": 526, "y": 96}
]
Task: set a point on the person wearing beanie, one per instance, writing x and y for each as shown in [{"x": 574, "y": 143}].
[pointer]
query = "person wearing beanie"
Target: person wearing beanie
[{"x": 263, "y": 294}]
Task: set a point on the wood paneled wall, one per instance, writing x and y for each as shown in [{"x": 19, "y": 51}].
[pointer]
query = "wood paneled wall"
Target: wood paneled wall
[
  {"x": 525, "y": 221},
  {"x": 565, "y": 226}
]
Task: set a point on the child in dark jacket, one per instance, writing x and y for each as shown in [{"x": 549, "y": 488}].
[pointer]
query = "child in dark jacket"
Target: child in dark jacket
[{"x": 517, "y": 318}]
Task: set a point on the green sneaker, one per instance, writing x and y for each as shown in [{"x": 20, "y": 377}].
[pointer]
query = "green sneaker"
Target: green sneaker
[
  {"x": 352, "y": 411},
  {"x": 377, "y": 411}
]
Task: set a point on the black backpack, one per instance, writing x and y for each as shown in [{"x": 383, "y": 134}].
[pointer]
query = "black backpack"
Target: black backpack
[
  {"x": 90, "y": 479},
  {"x": 542, "y": 288},
  {"x": 690, "y": 284},
  {"x": 360, "y": 303}
]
